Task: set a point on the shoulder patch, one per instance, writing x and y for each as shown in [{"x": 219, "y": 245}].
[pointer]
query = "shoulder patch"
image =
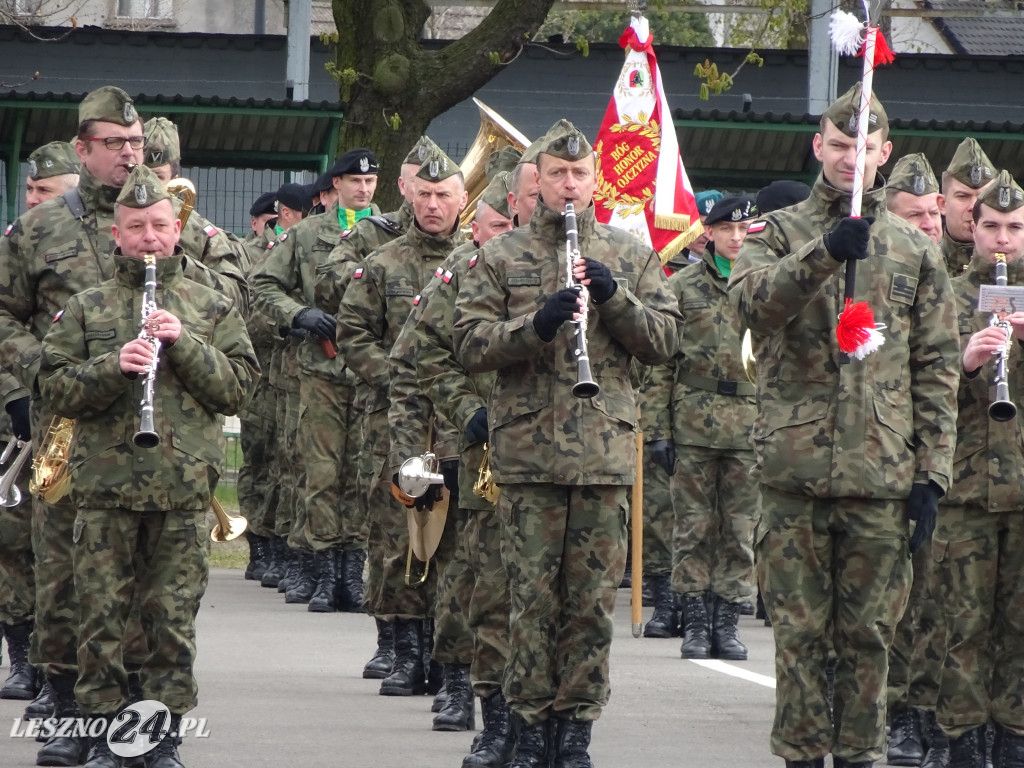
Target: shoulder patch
[
  {"x": 447, "y": 276},
  {"x": 416, "y": 300},
  {"x": 58, "y": 316},
  {"x": 438, "y": 272},
  {"x": 271, "y": 244},
  {"x": 210, "y": 230},
  {"x": 472, "y": 261},
  {"x": 756, "y": 226},
  {"x": 358, "y": 273},
  {"x": 283, "y": 237},
  {"x": 9, "y": 228}
]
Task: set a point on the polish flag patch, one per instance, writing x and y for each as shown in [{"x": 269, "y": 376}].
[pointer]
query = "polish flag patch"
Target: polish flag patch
[
  {"x": 447, "y": 276},
  {"x": 58, "y": 316},
  {"x": 358, "y": 273},
  {"x": 438, "y": 272},
  {"x": 472, "y": 261},
  {"x": 210, "y": 230},
  {"x": 416, "y": 300},
  {"x": 757, "y": 226},
  {"x": 9, "y": 228}
]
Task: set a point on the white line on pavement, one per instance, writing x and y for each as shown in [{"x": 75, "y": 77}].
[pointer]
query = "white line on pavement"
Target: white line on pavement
[{"x": 729, "y": 669}]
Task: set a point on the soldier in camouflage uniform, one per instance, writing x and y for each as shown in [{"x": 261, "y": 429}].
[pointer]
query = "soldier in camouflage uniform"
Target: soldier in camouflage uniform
[
  {"x": 50, "y": 253},
  {"x": 376, "y": 303},
  {"x": 849, "y": 452},
  {"x": 912, "y": 193},
  {"x": 564, "y": 465},
  {"x": 968, "y": 173},
  {"x": 707, "y": 407},
  {"x": 262, "y": 218},
  {"x": 52, "y": 170},
  {"x": 141, "y": 512},
  {"x": 980, "y": 533}
]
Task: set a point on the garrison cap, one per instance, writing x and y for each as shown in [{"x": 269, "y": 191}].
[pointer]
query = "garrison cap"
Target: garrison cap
[
  {"x": 1003, "y": 195},
  {"x": 843, "y": 112},
  {"x": 298, "y": 197},
  {"x": 495, "y": 194},
  {"x": 913, "y": 174},
  {"x": 264, "y": 204},
  {"x": 110, "y": 104},
  {"x": 437, "y": 167},
  {"x": 420, "y": 150},
  {"x": 970, "y": 165},
  {"x": 706, "y": 200},
  {"x": 53, "y": 159},
  {"x": 530, "y": 155},
  {"x": 732, "y": 208},
  {"x": 505, "y": 159},
  {"x": 162, "y": 144},
  {"x": 566, "y": 142},
  {"x": 781, "y": 193},
  {"x": 356, "y": 161},
  {"x": 142, "y": 189}
]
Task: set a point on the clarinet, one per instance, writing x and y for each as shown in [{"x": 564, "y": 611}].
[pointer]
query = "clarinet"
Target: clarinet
[
  {"x": 1001, "y": 408},
  {"x": 585, "y": 385},
  {"x": 147, "y": 437}
]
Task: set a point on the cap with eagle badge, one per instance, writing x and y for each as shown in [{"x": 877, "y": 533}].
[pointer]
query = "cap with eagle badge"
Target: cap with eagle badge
[
  {"x": 505, "y": 159},
  {"x": 1003, "y": 195},
  {"x": 109, "y": 104},
  {"x": 359, "y": 161},
  {"x": 732, "y": 208},
  {"x": 706, "y": 200},
  {"x": 163, "y": 146},
  {"x": 495, "y": 194},
  {"x": 566, "y": 142},
  {"x": 54, "y": 159},
  {"x": 844, "y": 112},
  {"x": 913, "y": 174},
  {"x": 970, "y": 165},
  {"x": 437, "y": 167},
  {"x": 142, "y": 189},
  {"x": 420, "y": 151}
]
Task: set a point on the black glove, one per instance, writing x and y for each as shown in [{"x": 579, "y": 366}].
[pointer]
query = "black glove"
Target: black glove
[
  {"x": 663, "y": 454},
  {"x": 922, "y": 507},
  {"x": 556, "y": 310},
  {"x": 430, "y": 496},
  {"x": 602, "y": 285},
  {"x": 21, "y": 424},
  {"x": 317, "y": 323},
  {"x": 476, "y": 429},
  {"x": 450, "y": 470},
  {"x": 849, "y": 239}
]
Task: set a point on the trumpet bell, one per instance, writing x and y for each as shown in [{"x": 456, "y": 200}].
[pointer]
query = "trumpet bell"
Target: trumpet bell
[{"x": 228, "y": 527}]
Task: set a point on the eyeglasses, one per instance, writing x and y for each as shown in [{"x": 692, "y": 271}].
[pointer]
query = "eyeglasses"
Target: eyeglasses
[{"x": 115, "y": 143}]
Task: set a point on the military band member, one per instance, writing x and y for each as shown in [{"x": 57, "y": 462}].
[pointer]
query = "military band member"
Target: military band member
[
  {"x": 564, "y": 464},
  {"x": 52, "y": 170},
  {"x": 968, "y": 173}
]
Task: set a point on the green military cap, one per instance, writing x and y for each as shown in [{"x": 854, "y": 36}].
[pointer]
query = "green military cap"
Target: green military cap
[
  {"x": 565, "y": 141},
  {"x": 420, "y": 151},
  {"x": 495, "y": 194},
  {"x": 843, "y": 112},
  {"x": 530, "y": 155},
  {"x": 142, "y": 189},
  {"x": 162, "y": 144},
  {"x": 1003, "y": 195},
  {"x": 505, "y": 159},
  {"x": 110, "y": 104},
  {"x": 913, "y": 174},
  {"x": 970, "y": 165},
  {"x": 53, "y": 159},
  {"x": 437, "y": 167}
]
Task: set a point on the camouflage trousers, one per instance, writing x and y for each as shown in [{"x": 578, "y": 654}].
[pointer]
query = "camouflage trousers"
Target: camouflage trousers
[
  {"x": 659, "y": 518},
  {"x": 374, "y": 497},
  {"x": 17, "y": 579},
  {"x": 257, "y": 441},
  {"x": 329, "y": 442},
  {"x": 717, "y": 508},
  {"x": 160, "y": 558},
  {"x": 55, "y": 636},
  {"x": 915, "y": 659},
  {"x": 290, "y": 521},
  {"x": 835, "y": 575},
  {"x": 453, "y": 639},
  {"x": 489, "y": 602},
  {"x": 564, "y": 550},
  {"x": 981, "y": 591}
]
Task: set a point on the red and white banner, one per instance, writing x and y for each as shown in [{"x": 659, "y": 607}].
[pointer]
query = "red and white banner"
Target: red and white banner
[{"x": 641, "y": 183}]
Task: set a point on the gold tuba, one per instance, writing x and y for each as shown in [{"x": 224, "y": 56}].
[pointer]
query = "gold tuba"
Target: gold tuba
[
  {"x": 50, "y": 477},
  {"x": 495, "y": 133},
  {"x": 185, "y": 191}
]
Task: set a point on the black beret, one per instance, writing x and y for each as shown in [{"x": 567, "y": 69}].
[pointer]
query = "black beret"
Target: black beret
[
  {"x": 781, "y": 194},
  {"x": 732, "y": 208},
  {"x": 323, "y": 182},
  {"x": 298, "y": 197},
  {"x": 356, "y": 161},
  {"x": 264, "y": 204}
]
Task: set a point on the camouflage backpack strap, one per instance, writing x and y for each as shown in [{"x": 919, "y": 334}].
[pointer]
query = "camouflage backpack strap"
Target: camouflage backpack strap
[
  {"x": 75, "y": 203},
  {"x": 387, "y": 224}
]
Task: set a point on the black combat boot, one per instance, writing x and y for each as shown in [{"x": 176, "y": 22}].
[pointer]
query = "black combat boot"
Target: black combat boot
[
  {"x": 292, "y": 563},
  {"x": 42, "y": 705},
  {"x": 572, "y": 742},
  {"x": 349, "y": 580},
  {"x": 406, "y": 677},
  {"x": 322, "y": 600},
  {"x": 990, "y": 743},
  {"x": 378, "y": 667},
  {"x": 696, "y": 637},
  {"x": 647, "y": 593},
  {"x": 276, "y": 566},
  {"x": 840, "y": 762},
  {"x": 725, "y": 640},
  {"x": 494, "y": 745},
  {"x": 23, "y": 681},
  {"x": 665, "y": 621},
  {"x": 533, "y": 745},
  {"x": 100, "y": 755},
  {"x": 818, "y": 762},
  {"x": 937, "y": 752},
  {"x": 433, "y": 671},
  {"x": 968, "y": 750},
  {"x": 259, "y": 556},
  {"x": 459, "y": 711},
  {"x": 762, "y": 612},
  {"x": 906, "y": 746},
  {"x": 63, "y": 750},
  {"x": 165, "y": 753},
  {"x": 301, "y": 590},
  {"x": 1008, "y": 749}
]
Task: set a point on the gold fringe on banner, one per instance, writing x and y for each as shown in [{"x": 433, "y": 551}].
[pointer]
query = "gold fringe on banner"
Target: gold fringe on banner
[{"x": 684, "y": 239}]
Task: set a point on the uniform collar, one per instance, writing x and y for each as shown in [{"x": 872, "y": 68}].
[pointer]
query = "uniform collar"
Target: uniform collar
[
  {"x": 550, "y": 224},
  {"x": 427, "y": 245},
  {"x": 132, "y": 272},
  {"x": 95, "y": 194},
  {"x": 981, "y": 272},
  {"x": 837, "y": 202}
]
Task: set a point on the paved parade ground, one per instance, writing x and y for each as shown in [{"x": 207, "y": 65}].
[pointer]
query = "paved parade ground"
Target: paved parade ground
[{"x": 279, "y": 686}]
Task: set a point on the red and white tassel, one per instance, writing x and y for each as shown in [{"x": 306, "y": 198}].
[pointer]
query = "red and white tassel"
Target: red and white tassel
[{"x": 857, "y": 332}]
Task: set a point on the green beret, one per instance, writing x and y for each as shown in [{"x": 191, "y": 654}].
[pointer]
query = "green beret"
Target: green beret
[
  {"x": 1004, "y": 195},
  {"x": 142, "y": 189},
  {"x": 53, "y": 159},
  {"x": 530, "y": 155},
  {"x": 706, "y": 201},
  {"x": 970, "y": 165},
  {"x": 565, "y": 141},
  {"x": 437, "y": 167},
  {"x": 162, "y": 145},
  {"x": 505, "y": 159},
  {"x": 843, "y": 112},
  {"x": 420, "y": 150},
  {"x": 495, "y": 194},
  {"x": 110, "y": 104},
  {"x": 913, "y": 174}
]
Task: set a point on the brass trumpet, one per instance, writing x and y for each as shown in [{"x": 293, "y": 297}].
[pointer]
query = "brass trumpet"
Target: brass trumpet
[{"x": 10, "y": 495}]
